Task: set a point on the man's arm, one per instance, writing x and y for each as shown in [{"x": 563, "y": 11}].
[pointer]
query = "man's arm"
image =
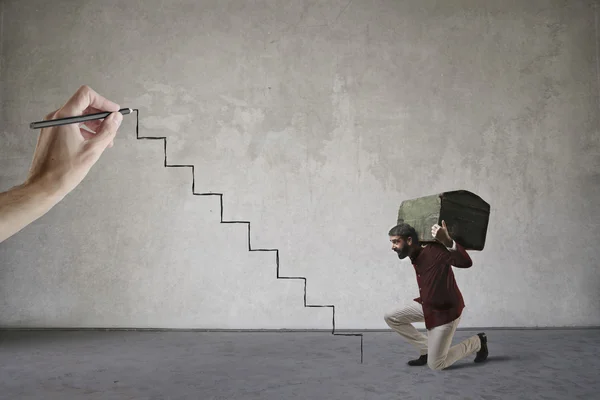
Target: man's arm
[
  {"x": 456, "y": 255},
  {"x": 62, "y": 158},
  {"x": 22, "y": 205}
]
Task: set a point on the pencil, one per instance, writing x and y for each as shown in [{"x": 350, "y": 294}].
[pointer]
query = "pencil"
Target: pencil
[{"x": 75, "y": 120}]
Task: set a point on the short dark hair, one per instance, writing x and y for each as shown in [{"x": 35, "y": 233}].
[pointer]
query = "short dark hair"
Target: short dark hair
[{"x": 405, "y": 230}]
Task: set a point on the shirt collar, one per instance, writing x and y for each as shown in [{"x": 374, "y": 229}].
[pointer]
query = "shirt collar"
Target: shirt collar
[{"x": 415, "y": 254}]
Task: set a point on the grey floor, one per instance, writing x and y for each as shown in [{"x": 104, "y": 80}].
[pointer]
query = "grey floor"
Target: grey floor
[{"x": 561, "y": 364}]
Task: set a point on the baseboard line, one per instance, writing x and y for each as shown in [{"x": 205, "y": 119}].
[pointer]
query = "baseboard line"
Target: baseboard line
[{"x": 205, "y": 330}]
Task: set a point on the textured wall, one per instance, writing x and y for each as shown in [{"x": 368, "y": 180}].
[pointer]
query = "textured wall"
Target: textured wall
[{"x": 315, "y": 119}]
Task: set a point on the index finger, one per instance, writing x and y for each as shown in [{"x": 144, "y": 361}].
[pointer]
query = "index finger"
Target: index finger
[{"x": 82, "y": 99}]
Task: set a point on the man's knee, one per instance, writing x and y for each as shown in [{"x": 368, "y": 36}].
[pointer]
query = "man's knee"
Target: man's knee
[
  {"x": 436, "y": 365},
  {"x": 393, "y": 319},
  {"x": 397, "y": 318},
  {"x": 388, "y": 318}
]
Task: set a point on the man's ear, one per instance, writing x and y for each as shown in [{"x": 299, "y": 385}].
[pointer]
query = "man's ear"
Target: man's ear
[{"x": 409, "y": 241}]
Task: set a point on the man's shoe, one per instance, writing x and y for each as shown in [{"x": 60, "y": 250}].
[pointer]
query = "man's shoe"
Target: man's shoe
[
  {"x": 419, "y": 361},
  {"x": 483, "y": 353}
]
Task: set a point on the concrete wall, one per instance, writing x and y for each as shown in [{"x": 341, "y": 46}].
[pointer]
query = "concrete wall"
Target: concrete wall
[{"x": 315, "y": 120}]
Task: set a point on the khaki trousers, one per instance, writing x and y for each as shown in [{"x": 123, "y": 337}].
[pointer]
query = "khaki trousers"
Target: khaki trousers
[{"x": 438, "y": 340}]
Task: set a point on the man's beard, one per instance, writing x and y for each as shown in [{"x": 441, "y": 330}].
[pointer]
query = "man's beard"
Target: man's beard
[{"x": 402, "y": 253}]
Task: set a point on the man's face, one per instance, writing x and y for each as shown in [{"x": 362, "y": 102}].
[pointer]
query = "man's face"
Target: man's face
[{"x": 400, "y": 246}]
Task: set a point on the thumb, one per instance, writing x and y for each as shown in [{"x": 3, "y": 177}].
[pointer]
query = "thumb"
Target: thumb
[
  {"x": 443, "y": 224},
  {"x": 108, "y": 129}
]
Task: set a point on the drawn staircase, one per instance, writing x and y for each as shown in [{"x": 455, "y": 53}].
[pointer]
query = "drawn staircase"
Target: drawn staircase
[{"x": 164, "y": 139}]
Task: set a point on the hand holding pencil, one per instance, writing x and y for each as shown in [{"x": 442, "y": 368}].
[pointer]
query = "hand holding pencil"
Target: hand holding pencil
[{"x": 65, "y": 152}]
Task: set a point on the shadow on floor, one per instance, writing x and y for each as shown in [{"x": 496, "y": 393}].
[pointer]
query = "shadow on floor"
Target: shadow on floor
[{"x": 491, "y": 359}]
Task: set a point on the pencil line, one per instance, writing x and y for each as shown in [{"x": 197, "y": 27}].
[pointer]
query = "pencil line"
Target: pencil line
[{"x": 276, "y": 251}]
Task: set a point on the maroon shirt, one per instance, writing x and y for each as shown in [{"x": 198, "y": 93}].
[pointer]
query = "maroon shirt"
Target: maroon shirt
[{"x": 439, "y": 294}]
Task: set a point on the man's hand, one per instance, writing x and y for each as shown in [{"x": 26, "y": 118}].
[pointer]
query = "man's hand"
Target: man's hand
[
  {"x": 63, "y": 157},
  {"x": 65, "y": 154},
  {"x": 441, "y": 234}
]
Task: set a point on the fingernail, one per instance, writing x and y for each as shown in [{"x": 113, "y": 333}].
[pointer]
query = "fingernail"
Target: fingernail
[{"x": 118, "y": 118}]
